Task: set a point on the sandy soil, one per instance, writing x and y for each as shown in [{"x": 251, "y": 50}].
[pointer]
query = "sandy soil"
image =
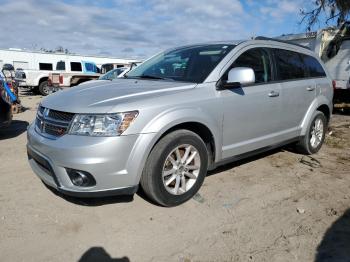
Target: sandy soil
[{"x": 279, "y": 206}]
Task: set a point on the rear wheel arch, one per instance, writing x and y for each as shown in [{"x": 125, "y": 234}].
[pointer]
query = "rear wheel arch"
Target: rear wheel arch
[
  {"x": 325, "y": 110},
  {"x": 321, "y": 104}
]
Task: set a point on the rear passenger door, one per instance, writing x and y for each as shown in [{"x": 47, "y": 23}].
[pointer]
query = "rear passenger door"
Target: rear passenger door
[{"x": 298, "y": 89}]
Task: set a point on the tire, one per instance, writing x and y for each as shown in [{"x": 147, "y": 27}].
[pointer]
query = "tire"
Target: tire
[
  {"x": 44, "y": 88},
  {"x": 306, "y": 145},
  {"x": 162, "y": 157}
]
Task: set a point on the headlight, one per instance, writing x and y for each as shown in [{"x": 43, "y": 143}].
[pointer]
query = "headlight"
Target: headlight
[{"x": 102, "y": 125}]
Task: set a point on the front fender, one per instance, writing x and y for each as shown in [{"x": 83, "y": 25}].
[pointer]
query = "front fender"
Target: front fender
[
  {"x": 166, "y": 120},
  {"x": 173, "y": 117},
  {"x": 319, "y": 101}
]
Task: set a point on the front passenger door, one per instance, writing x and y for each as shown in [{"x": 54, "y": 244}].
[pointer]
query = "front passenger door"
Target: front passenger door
[{"x": 252, "y": 112}]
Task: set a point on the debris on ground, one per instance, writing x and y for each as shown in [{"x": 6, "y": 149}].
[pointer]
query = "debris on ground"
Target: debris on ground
[
  {"x": 310, "y": 161},
  {"x": 301, "y": 210},
  {"x": 197, "y": 197}
]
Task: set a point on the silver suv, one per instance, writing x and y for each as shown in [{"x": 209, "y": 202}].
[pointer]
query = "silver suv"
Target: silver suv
[{"x": 180, "y": 113}]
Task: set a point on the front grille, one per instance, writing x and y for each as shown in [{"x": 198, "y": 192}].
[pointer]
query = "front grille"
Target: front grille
[
  {"x": 62, "y": 116},
  {"x": 55, "y": 130},
  {"x": 52, "y": 122}
]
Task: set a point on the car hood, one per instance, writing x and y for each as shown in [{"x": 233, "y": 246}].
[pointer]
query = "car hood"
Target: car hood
[{"x": 104, "y": 96}]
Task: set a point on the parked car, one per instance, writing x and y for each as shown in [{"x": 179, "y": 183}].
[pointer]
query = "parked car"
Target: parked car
[
  {"x": 178, "y": 114},
  {"x": 5, "y": 109},
  {"x": 45, "y": 80},
  {"x": 115, "y": 73}
]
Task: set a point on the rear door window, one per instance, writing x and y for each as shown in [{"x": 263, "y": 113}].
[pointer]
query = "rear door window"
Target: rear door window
[
  {"x": 314, "y": 68},
  {"x": 257, "y": 59},
  {"x": 289, "y": 65},
  {"x": 45, "y": 66},
  {"x": 75, "y": 66}
]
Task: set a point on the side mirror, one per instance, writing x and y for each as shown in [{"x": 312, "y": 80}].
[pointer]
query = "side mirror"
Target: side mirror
[{"x": 237, "y": 77}]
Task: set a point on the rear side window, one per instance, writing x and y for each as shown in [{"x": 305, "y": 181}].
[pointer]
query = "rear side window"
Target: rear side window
[
  {"x": 314, "y": 68},
  {"x": 257, "y": 59},
  {"x": 45, "y": 66},
  {"x": 61, "y": 65},
  {"x": 75, "y": 66},
  {"x": 289, "y": 65}
]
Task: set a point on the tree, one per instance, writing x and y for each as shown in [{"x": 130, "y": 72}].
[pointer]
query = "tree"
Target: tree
[{"x": 333, "y": 9}]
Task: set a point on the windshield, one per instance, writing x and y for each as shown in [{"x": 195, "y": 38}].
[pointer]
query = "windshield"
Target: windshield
[
  {"x": 112, "y": 74},
  {"x": 188, "y": 64}
]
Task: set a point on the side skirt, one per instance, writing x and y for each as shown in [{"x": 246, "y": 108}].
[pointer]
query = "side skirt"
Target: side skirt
[{"x": 251, "y": 153}]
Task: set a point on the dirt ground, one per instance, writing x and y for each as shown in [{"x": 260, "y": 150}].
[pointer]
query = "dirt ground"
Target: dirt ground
[{"x": 279, "y": 206}]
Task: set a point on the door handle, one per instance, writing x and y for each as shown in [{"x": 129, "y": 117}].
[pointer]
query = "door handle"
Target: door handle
[
  {"x": 274, "y": 94},
  {"x": 310, "y": 88}
]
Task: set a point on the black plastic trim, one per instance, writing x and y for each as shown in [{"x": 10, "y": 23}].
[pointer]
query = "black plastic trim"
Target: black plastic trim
[
  {"x": 43, "y": 163},
  {"x": 253, "y": 153},
  {"x": 280, "y": 41},
  {"x": 91, "y": 194}
]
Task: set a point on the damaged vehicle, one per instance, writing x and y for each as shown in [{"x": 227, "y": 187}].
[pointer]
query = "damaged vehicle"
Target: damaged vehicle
[{"x": 177, "y": 115}]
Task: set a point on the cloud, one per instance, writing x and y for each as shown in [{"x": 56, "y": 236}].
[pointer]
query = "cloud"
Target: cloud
[
  {"x": 279, "y": 9},
  {"x": 134, "y": 27},
  {"x": 128, "y": 50}
]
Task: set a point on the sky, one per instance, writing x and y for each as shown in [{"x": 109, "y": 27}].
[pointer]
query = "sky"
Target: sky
[{"x": 141, "y": 28}]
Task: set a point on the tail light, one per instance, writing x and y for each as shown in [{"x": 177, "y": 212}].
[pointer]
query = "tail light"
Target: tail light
[
  {"x": 61, "y": 79},
  {"x": 334, "y": 84}
]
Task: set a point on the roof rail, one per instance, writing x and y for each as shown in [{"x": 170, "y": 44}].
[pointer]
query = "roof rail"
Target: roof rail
[{"x": 281, "y": 41}]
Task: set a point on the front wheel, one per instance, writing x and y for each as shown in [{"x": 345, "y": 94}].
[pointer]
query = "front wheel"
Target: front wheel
[
  {"x": 175, "y": 169},
  {"x": 312, "y": 142}
]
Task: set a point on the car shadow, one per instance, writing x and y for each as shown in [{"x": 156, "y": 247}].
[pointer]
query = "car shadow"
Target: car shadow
[
  {"x": 99, "y": 254},
  {"x": 100, "y": 201},
  {"x": 93, "y": 202},
  {"x": 28, "y": 92},
  {"x": 16, "y": 128},
  {"x": 335, "y": 245},
  {"x": 253, "y": 158}
]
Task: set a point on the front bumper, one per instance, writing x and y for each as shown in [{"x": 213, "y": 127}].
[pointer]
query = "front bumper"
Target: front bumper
[{"x": 116, "y": 163}]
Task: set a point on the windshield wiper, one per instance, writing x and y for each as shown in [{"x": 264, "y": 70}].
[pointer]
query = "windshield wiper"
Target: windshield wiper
[{"x": 153, "y": 77}]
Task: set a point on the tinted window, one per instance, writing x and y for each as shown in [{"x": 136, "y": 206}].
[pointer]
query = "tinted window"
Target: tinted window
[
  {"x": 61, "y": 65},
  {"x": 289, "y": 65},
  {"x": 257, "y": 59},
  {"x": 90, "y": 67},
  {"x": 313, "y": 66},
  {"x": 45, "y": 66},
  {"x": 75, "y": 66},
  {"x": 190, "y": 64},
  {"x": 106, "y": 67}
]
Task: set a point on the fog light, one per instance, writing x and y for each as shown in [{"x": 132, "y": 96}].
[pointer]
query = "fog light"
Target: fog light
[{"x": 81, "y": 178}]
